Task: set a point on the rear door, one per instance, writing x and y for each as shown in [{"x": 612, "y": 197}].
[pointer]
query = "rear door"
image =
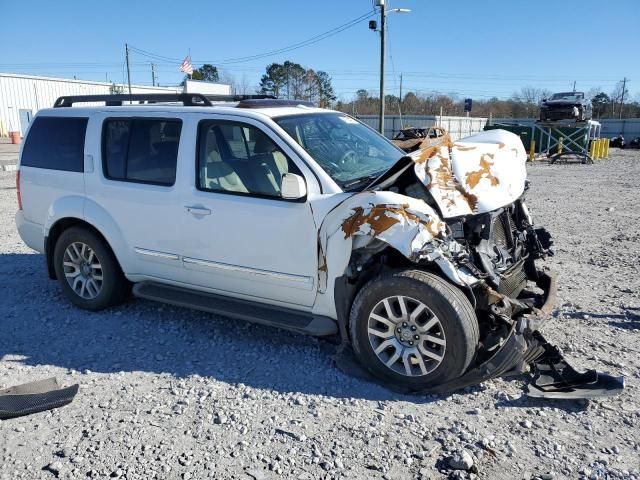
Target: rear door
[{"x": 136, "y": 181}]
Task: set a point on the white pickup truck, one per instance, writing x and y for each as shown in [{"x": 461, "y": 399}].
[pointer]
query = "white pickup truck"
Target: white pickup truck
[{"x": 303, "y": 218}]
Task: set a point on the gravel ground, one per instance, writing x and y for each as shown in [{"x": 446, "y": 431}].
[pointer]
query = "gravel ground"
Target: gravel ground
[{"x": 173, "y": 393}]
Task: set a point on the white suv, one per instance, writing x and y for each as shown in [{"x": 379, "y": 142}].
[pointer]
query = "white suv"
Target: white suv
[{"x": 302, "y": 218}]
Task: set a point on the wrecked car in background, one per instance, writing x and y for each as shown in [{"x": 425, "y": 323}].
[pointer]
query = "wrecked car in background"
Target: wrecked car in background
[
  {"x": 566, "y": 105},
  {"x": 304, "y": 219},
  {"x": 411, "y": 139}
]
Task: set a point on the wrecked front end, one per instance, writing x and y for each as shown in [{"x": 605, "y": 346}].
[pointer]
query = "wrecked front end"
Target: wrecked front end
[{"x": 460, "y": 211}]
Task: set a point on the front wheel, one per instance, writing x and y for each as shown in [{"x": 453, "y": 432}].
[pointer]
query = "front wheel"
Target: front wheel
[
  {"x": 87, "y": 270},
  {"x": 414, "y": 330}
]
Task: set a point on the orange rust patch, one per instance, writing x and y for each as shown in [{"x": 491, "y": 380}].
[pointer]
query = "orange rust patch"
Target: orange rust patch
[
  {"x": 464, "y": 148},
  {"x": 473, "y": 178},
  {"x": 445, "y": 180},
  {"x": 426, "y": 154},
  {"x": 379, "y": 220}
]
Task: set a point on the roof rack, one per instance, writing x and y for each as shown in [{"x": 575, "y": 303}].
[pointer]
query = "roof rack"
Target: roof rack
[
  {"x": 272, "y": 102},
  {"x": 187, "y": 99}
]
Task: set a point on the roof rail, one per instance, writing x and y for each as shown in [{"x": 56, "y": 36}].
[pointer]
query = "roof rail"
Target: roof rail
[
  {"x": 187, "y": 99},
  {"x": 273, "y": 102}
]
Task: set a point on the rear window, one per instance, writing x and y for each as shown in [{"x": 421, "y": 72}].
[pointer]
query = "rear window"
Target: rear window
[
  {"x": 56, "y": 143},
  {"x": 141, "y": 150}
]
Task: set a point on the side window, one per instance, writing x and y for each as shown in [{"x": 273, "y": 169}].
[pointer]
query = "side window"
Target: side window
[
  {"x": 141, "y": 150},
  {"x": 56, "y": 143},
  {"x": 240, "y": 158}
]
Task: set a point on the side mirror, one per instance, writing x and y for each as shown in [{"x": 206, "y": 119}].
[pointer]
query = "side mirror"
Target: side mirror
[{"x": 293, "y": 187}]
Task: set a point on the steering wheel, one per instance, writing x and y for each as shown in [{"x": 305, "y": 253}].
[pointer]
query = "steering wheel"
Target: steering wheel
[{"x": 350, "y": 157}]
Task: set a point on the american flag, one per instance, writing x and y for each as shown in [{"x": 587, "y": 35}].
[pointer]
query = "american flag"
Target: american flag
[{"x": 186, "y": 66}]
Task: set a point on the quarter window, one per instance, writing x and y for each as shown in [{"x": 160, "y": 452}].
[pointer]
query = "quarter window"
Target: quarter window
[
  {"x": 56, "y": 143},
  {"x": 141, "y": 150},
  {"x": 239, "y": 158}
]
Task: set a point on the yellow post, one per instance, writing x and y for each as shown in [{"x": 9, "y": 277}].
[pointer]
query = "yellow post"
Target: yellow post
[
  {"x": 592, "y": 149},
  {"x": 600, "y": 148},
  {"x": 560, "y": 145},
  {"x": 606, "y": 147},
  {"x": 532, "y": 151}
]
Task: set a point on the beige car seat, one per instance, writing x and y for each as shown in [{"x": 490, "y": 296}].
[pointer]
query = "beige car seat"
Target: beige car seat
[{"x": 219, "y": 175}]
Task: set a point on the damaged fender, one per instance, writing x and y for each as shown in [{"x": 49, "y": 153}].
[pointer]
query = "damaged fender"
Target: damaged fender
[{"x": 407, "y": 224}]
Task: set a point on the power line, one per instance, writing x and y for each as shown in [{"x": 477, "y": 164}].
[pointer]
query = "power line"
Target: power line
[{"x": 295, "y": 46}]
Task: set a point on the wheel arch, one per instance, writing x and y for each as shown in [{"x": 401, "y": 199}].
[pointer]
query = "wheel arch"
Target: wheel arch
[
  {"x": 367, "y": 263},
  {"x": 60, "y": 226}
]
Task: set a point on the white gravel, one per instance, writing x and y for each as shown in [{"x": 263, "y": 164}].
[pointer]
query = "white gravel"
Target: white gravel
[{"x": 172, "y": 393}]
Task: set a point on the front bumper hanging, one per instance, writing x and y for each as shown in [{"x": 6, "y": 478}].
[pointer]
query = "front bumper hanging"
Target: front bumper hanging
[{"x": 526, "y": 351}]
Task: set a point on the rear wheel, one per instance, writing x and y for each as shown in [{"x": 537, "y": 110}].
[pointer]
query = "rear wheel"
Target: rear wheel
[
  {"x": 413, "y": 329},
  {"x": 87, "y": 270}
]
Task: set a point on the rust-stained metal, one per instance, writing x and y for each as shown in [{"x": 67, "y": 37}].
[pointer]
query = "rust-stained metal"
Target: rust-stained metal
[
  {"x": 380, "y": 218},
  {"x": 474, "y": 177}
]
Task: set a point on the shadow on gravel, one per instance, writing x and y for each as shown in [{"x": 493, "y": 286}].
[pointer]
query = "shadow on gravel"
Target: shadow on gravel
[
  {"x": 41, "y": 328},
  {"x": 569, "y": 406},
  {"x": 629, "y": 320}
]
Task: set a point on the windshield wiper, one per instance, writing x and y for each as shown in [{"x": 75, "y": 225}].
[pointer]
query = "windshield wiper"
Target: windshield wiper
[{"x": 365, "y": 179}]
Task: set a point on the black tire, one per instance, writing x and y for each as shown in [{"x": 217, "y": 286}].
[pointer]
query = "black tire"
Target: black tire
[
  {"x": 114, "y": 288},
  {"x": 457, "y": 318}
]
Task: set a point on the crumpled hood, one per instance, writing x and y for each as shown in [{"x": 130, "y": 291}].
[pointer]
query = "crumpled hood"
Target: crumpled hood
[{"x": 474, "y": 175}]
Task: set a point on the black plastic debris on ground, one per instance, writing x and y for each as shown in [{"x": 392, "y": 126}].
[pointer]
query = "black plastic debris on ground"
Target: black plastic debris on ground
[{"x": 34, "y": 397}]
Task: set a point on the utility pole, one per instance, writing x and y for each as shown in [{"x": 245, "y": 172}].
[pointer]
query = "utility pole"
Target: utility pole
[
  {"x": 383, "y": 15},
  {"x": 400, "y": 103},
  {"x": 624, "y": 85},
  {"x": 574, "y": 85},
  {"x": 153, "y": 75},
  {"x": 126, "y": 53}
]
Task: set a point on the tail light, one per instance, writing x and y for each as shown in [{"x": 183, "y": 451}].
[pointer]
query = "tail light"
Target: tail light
[{"x": 18, "y": 189}]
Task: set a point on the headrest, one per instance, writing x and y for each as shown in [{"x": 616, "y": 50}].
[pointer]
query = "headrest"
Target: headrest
[{"x": 264, "y": 144}]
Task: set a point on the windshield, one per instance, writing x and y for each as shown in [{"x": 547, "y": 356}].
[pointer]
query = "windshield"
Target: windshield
[
  {"x": 571, "y": 96},
  {"x": 350, "y": 152}
]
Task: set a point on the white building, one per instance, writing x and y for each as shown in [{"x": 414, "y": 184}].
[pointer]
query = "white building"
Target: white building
[
  {"x": 206, "y": 88},
  {"x": 21, "y": 96}
]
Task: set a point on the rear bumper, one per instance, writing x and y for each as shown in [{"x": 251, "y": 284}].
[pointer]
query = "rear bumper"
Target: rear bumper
[{"x": 32, "y": 234}]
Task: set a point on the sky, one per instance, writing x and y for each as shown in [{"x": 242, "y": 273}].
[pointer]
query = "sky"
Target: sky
[{"x": 470, "y": 48}]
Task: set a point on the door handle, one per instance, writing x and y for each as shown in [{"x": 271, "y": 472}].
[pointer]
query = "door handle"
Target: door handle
[{"x": 198, "y": 210}]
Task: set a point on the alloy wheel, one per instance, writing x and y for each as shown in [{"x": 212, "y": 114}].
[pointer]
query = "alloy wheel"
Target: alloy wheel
[
  {"x": 406, "y": 336},
  {"x": 83, "y": 270}
]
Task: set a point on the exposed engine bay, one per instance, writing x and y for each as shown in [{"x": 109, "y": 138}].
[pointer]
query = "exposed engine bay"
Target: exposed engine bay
[{"x": 474, "y": 226}]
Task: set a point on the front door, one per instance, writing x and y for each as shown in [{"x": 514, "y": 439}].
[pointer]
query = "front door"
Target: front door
[{"x": 240, "y": 236}]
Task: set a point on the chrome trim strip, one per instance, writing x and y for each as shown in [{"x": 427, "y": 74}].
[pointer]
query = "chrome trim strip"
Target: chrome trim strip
[
  {"x": 308, "y": 281},
  {"x": 154, "y": 253}
]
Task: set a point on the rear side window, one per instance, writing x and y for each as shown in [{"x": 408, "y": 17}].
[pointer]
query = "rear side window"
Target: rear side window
[
  {"x": 56, "y": 143},
  {"x": 141, "y": 150}
]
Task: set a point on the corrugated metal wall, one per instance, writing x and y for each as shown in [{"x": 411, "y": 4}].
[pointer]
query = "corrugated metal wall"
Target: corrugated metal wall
[
  {"x": 23, "y": 92},
  {"x": 457, "y": 127}
]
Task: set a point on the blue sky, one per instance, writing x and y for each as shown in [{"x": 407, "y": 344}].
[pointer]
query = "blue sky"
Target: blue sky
[{"x": 476, "y": 48}]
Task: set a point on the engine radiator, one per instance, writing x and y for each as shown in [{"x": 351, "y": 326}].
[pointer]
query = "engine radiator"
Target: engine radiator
[{"x": 513, "y": 281}]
